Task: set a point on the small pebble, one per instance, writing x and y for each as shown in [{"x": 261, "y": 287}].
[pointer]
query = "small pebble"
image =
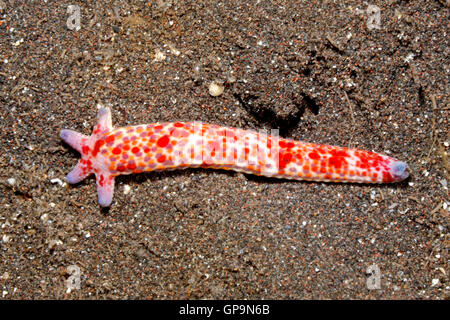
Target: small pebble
[
  {"x": 159, "y": 55},
  {"x": 52, "y": 244},
  {"x": 435, "y": 282},
  {"x": 215, "y": 89},
  {"x": 174, "y": 50},
  {"x": 58, "y": 181},
  {"x": 18, "y": 42}
]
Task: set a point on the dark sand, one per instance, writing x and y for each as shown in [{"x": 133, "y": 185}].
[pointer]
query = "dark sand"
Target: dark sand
[{"x": 311, "y": 68}]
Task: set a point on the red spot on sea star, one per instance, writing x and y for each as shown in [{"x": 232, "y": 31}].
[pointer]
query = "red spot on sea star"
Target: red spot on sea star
[
  {"x": 161, "y": 158},
  {"x": 109, "y": 138},
  {"x": 163, "y": 141},
  {"x": 135, "y": 150},
  {"x": 131, "y": 166},
  {"x": 321, "y": 150},
  {"x": 101, "y": 181},
  {"x": 116, "y": 150},
  {"x": 314, "y": 155},
  {"x": 284, "y": 159},
  {"x": 387, "y": 177},
  {"x": 339, "y": 153},
  {"x": 287, "y": 157},
  {"x": 290, "y": 144},
  {"x": 338, "y": 158},
  {"x": 336, "y": 162},
  {"x": 97, "y": 147}
]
